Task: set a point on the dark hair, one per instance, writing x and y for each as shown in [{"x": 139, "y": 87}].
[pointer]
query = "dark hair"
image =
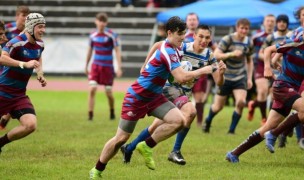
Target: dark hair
[
  {"x": 102, "y": 17},
  {"x": 284, "y": 18},
  {"x": 297, "y": 13},
  {"x": 23, "y": 9},
  {"x": 175, "y": 24},
  {"x": 204, "y": 27},
  {"x": 2, "y": 26},
  {"x": 192, "y": 13},
  {"x": 243, "y": 21}
]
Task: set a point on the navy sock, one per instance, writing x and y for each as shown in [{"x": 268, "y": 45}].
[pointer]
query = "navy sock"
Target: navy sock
[
  {"x": 235, "y": 120},
  {"x": 141, "y": 137},
  {"x": 180, "y": 139},
  {"x": 210, "y": 116}
]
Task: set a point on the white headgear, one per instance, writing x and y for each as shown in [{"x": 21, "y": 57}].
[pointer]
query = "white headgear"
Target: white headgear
[{"x": 32, "y": 20}]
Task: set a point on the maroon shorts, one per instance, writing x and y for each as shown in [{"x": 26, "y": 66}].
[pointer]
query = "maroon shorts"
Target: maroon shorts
[
  {"x": 284, "y": 95},
  {"x": 259, "y": 70},
  {"x": 201, "y": 84},
  {"x": 134, "y": 109},
  {"x": 103, "y": 75},
  {"x": 15, "y": 104}
]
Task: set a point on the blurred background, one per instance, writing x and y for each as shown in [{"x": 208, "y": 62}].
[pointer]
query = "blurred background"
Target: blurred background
[{"x": 138, "y": 22}]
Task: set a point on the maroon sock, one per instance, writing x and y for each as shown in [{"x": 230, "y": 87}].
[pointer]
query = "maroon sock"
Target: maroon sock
[
  {"x": 200, "y": 112},
  {"x": 90, "y": 115},
  {"x": 100, "y": 166},
  {"x": 255, "y": 104},
  {"x": 150, "y": 142},
  {"x": 4, "y": 140},
  {"x": 254, "y": 139},
  {"x": 288, "y": 124},
  {"x": 262, "y": 106}
]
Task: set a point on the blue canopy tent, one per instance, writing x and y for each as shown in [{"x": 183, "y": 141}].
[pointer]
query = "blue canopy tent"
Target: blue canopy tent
[
  {"x": 292, "y": 6},
  {"x": 226, "y": 13}
]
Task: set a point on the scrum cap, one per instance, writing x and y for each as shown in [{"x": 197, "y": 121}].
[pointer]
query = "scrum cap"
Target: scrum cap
[{"x": 32, "y": 20}]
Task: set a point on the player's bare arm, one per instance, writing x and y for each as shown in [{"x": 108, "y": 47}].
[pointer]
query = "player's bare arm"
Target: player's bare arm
[
  {"x": 6, "y": 60},
  {"x": 275, "y": 61},
  {"x": 249, "y": 71},
  {"x": 89, "y": 55},
  {"x": 182, "y": 76},
  {"x": 118, "y": 60},
  {"x": 220, "y": 55},
  {"x": 150, "y": 53},
  {"x": 267, "y": 58},
  {"x": 218, "y": 75},
  {"x": 40, "y": 76}
]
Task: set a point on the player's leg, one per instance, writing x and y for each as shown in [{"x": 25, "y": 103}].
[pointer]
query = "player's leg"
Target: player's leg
[
  {"x": 218, "y": 104},
  {"x": 240, "y": 99},
  {"x": 91, "y": 99},
  {"x": 255, "y": 138},
  {"x": 28, "y": 123},
  {"x": 199, "y": 94},
  {"x": 173, "y": 122},
  {"x": 4, "y": 120},
  {"x": 262, "y": 92},
  {"x": 127, "y": 149},
  {"x": 109, "y": 93},
  {"x": 110, "y": 149},
  {"x": 189, "y": 112}
]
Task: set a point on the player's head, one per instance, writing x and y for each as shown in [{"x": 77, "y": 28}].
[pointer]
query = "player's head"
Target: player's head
[
  {"x": 21, "y": 14},
  {"x": 282, "y": 22},
  {"x": 299, "y": 14},
  {"x": 101, "y": 21},
  {"x": 175, "y": 29},
  {"x": 269, "y": 22},
  {"x": 35, "y": 25},
  {"x": 297, "y": 35},
  {"x": 202, "y": 36},
  {"x": 242, "y": 27},
  {"x": 192, "y": 21}
]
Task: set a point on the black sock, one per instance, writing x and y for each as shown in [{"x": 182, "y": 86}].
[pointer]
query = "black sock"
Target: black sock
[
  {"x": 100, "y": 166},
  {"x": 4, "y": 140}
]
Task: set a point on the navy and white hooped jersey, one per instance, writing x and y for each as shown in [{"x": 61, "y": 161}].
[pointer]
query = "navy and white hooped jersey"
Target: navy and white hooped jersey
[
  {"x": 197, "y": 60},
  {"x": 236, "y": 66},
  {"x": 13, "y": 80},
  {"x": 274, "y": 38},
  {"x": 151, "y": 81},
  {"x": 103, "y": 45}
]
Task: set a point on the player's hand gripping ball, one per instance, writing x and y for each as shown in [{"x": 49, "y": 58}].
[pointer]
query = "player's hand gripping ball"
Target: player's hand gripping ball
[{"x": 186, "y": 65}]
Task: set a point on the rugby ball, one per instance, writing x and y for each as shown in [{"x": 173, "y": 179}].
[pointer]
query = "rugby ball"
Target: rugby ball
[{"x": 186, "y": 65}]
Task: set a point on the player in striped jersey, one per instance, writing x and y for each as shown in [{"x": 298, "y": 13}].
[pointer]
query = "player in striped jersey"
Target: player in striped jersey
[
  {"x": 235, "y": 50},
  {"x": 20, "y": 56},
  {"x": 285, "y": 93},
  {"x": 199, "y": 55},
  {"x": 260, "y": 82},
  {"x": 102, "y": 41},
  {"x": 145, "y": 96},
  {"x": 12, "y": 30}
]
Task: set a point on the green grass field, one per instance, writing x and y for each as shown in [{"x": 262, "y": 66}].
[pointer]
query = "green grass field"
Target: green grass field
[{"x": 66, "y": 146}]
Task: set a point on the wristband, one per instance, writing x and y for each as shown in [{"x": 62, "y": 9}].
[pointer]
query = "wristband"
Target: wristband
[{"x": 21, "y": 65}]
